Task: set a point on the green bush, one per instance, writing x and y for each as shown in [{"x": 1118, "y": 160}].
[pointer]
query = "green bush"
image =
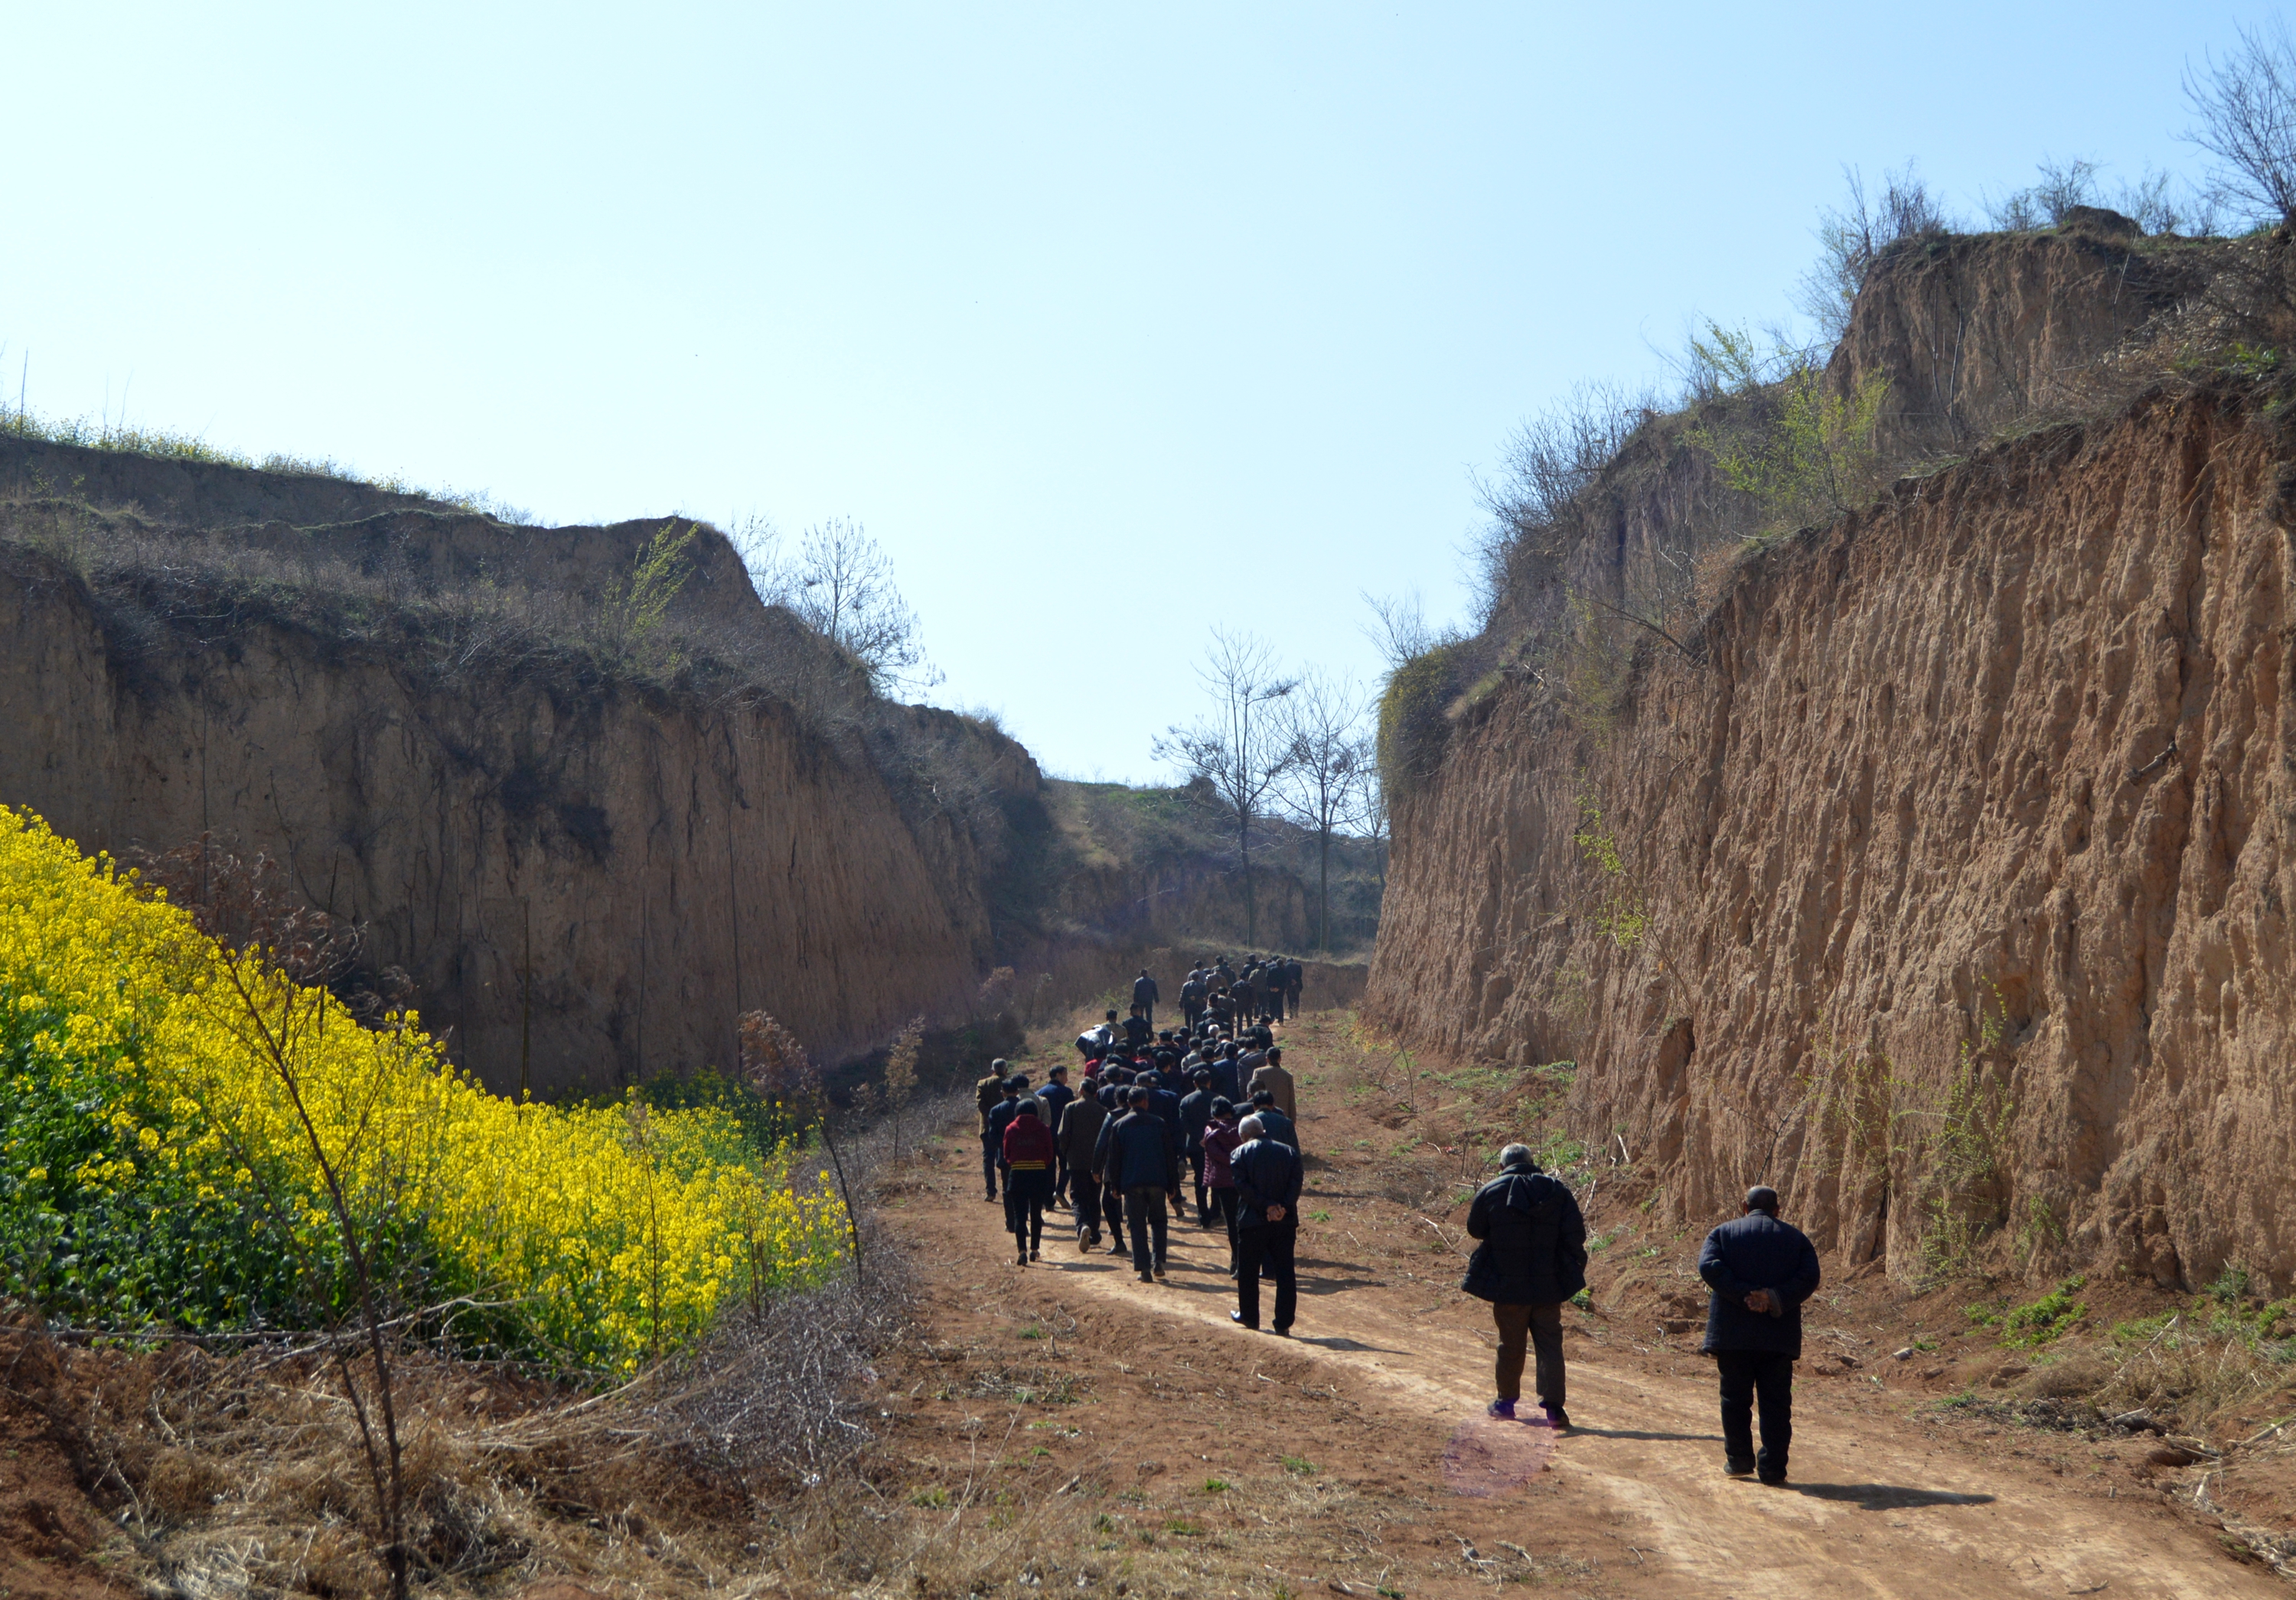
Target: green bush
[{"x": 1413, "y": 726}]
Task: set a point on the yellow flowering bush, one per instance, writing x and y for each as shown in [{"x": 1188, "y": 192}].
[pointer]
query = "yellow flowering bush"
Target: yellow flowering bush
[{"x": 183, "y": 1131}]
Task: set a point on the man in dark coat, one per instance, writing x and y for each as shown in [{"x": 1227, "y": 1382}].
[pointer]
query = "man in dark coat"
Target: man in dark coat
[
  {"x": 1140, "y": 1158},
  {"x": 1295, "y": 979},
  {"x": 1274, "y": 1124},
  {"x": 987, "y": 1092},
  {"x": 1055, "y": 1094},
  {"x": 1267, "y": 1178},
  {"x": 1531, "y": 1257},
  {"x": 1077, "y": 1134},
  {"x": 1191, "y": 1000},
  {"x": 1143, "y": 995},
  {"x": 1761, "y": 1270},
  {"x": 1195, "y": 1113}
]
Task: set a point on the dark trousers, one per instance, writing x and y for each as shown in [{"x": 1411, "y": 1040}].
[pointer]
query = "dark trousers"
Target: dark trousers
[
  {"x": 1189, "y": 1015},
  {"x": 1085, "y": 1195},
  {"x": 992, "y": 1157},
  {"x": 1111, "y": 1208},
  {"x": 1538, "y": 1325},
  {"x": 1224, "y": 1207},
  {"x": 1024, "y": 1217},
  {"x": 1203, "y": 1206},
  {"x": 1144, "y": 1209},
  {"x": 1269, "y": 1244},
  {"x": 1745, "y": 1376}
]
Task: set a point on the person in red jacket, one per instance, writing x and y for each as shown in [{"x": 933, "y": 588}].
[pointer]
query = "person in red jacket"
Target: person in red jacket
[{"x": 1028, "y": 1156}]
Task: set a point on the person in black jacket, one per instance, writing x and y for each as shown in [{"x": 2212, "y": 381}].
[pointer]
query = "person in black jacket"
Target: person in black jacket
[
  {"x": 1077, "y": 1136},
  {"x": 1761, "y": 1270},
  {"x": 1195, "y": 1111},
  {"x": 1531, "y": 1257},
  {"x": 1139, "y": 1159},
  {"x": 1143, "y": 995},
  {"x": 1054, "y": 1095},
  {"x": 1267, "y": 1178}
]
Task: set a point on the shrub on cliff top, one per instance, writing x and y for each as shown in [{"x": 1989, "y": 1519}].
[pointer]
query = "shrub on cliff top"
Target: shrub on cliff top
[{"x": 1413, "y": 726}]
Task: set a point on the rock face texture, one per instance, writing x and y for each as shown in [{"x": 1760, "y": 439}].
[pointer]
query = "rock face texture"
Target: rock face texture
[
  {"x": 585, "y": 882},
  {"x": 1948, "y": 891}
]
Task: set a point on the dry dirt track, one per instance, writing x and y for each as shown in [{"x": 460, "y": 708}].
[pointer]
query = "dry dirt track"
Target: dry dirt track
[
  {"x": 1871, "y": 1514},
  {"x": 1880, "y": 1506}
]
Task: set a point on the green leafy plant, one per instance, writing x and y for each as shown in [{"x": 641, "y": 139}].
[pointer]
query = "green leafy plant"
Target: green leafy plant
[
  {"x": 633, "y": 608},
  {"x": 2037, "y": 1322},
  {"x": 1799, "y": 451}
]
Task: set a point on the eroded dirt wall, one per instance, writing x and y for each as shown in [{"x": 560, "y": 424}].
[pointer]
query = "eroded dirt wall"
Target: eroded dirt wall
[
  {"x": 592, "y": 879},
  {"x": 2015, "y": 745}
]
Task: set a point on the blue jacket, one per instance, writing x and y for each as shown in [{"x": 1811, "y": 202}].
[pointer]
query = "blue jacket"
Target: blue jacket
[
  {"x": 1226, "y": 1083},
  {"x": 1054, "y": 1095},
  {"x": 1267, "y": 1173},
  {"x": 1533, "y": 1249},
  {"x": 1757, "y": 1251},
  {"x": 1274, "y": 1125},
  {"x": 1163, "y": 1104},
  {"x": 1138, "y": 1149}
]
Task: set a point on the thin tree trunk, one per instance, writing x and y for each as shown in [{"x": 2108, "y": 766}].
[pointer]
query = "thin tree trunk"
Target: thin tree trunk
[
  {"x": 1323, "y": 889},
  {"x": 1251, "y": 900}
]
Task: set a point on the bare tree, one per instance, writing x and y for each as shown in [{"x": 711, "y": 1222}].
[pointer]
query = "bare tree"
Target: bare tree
[
  {"x": 840, "y": 584},
  {"x": 1324, "y": 718},
  {"x": 1852, "y": 238},
  {"x": 1241, "y": 748},
  {"x": 1369, "y": 802},
  {"x": 2247, "y": 107},
  {"x": 1398, "y": 628},
  {"x": 1537, "y": 504}
]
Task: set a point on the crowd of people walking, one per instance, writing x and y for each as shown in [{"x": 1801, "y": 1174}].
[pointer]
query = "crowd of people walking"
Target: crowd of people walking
[{"x": 1208, "y": 1106}]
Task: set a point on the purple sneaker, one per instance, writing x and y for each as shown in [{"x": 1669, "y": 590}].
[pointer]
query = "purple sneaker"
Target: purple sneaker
[{"x": 1501, "y": 1410}]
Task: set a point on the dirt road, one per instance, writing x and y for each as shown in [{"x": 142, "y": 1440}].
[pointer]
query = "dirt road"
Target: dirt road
[{"x": 1884, "y": 1502}]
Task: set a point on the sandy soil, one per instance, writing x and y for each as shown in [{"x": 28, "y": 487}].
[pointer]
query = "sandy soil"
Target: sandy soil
[{"x": 1385, "y": 1388}]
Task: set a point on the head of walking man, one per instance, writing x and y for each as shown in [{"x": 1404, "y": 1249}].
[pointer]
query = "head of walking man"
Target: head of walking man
[
  {"x": 1518, "y": 1158},
  {"x": 1252, "y": 1128},
  {"x": 1139, "y": 1097},
  {"x": 1762, "y": 1198}
]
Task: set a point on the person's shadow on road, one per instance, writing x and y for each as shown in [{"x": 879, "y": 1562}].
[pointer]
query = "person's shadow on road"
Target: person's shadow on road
[
  {"x": 1886, "y": 1496},
  {"x": 1333, "y": 1341},
  {"x": 1646, "y": 1434}
]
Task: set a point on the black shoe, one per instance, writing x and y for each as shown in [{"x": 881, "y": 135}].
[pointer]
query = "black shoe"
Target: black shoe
[
  {"x": 1556, "y": 1416},
  {"x": 1159, "y": 1272},
  {"x": 1035, "y": 1254},
  {"x": 1022, "y": 1259},
  {"x": 1282, "y": 1333},
  {"x": 1118, "y": 1248},
  {"x": 1237, "y": 1317},
  {"x": 1774, "y": 1482},
  {"x": 1736, "y": 1468},
  {"x": 1146, "y": 1279}
]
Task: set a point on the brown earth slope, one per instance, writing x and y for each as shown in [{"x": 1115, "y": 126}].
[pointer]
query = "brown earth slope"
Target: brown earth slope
[{"x": 1947, "y": 889}]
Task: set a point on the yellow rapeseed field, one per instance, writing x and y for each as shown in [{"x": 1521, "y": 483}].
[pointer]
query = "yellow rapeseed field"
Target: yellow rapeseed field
[{"x": 172, "y": 1112}]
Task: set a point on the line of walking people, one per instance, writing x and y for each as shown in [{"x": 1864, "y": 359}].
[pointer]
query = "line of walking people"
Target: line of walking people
[{"x": 1153, "y": 1114}]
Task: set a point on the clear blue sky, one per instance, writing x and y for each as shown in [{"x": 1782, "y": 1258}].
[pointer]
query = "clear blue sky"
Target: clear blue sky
[{"x": 1107, "y": 320}]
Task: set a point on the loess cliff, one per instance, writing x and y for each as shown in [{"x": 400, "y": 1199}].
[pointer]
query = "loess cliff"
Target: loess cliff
[
  {"x": 589, "y": 836},
  {"x": 1941, "y": 875}
]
